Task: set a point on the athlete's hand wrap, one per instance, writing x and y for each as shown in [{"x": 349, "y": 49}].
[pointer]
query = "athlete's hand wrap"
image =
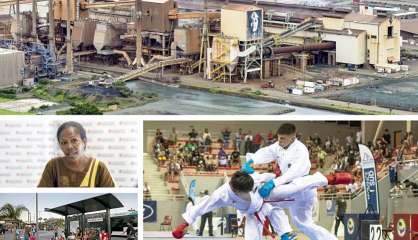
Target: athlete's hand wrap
[
  {"x": 247, "y": 167},
  {"x": 265, "y": 190}
]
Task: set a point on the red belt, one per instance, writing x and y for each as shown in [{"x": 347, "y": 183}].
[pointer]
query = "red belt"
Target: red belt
[{"x": 270, "y": 201}]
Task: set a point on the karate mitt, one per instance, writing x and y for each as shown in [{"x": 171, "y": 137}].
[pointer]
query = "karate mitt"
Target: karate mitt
[
  {"x": 288, "y": 236},
  {"x": 265, "y": 190},
  {"x": 180, "y": 231},
  {"x": 247, "y": 167}
]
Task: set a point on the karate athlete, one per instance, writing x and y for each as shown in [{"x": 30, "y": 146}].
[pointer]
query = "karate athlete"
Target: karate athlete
[
  {"x": 241, "y": 193},
  {"x": 293, "y": 158}
]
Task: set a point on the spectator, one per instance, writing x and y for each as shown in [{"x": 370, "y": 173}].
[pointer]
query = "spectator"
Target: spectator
[
  {"x": 130, "y": 232},
  {"x": 412, "y": 186},
  {"x": 410, "y": 139},
  {"x": 359, "y": 137},
  {"x": 386, "y": 136},
  {"x": 317, "y": 140},
  {"x": 352, "y": 187},
  {"x": 270, "y": 138},
  {"x": 248, "y": 142},
  {"x": 321, "y": 157},
  {"x": 172, "y": 140},
  {"x": 328, "y": 145},
  {"x": 238, "y": 139},
  {"x": 193, "y": 135},
  {"x": 393, "y": 173},
  {"x": 401, "y": 150},
  {"x": 349, "y": 140},
  {"x": 79, "y": 234},
  {"x": 104, "y": 236},
  {"x": 235, "y": 157},
  {"x": 201, "y": 165},
  {"x": 396, "y": 191},
  {"x": 222, "y": 158},
  {"x": 173, "y": 170},
  {"x": 225, "y": 137},
  {"x": 207, "y": 140},
  {"x": 378, "y": 156},
  {"x": 158, "y": 136},
  {"x": 257, "y": 142}
]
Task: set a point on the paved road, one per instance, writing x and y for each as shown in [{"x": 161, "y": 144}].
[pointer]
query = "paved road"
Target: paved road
[{"x": 47, "y": 235}]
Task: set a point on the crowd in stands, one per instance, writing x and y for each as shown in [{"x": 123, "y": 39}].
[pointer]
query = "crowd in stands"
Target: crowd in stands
[
  {"x": 407, "y": 187},
  {"x": 210, "y": 152}
]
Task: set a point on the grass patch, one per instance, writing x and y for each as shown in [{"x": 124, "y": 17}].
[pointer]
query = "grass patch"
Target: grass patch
[
  {"x": 356, "y": 110},
  {"x": 9, "y": 112},
  {"x": 214, "y": 90},
  {"x": 3, "y": 99}
]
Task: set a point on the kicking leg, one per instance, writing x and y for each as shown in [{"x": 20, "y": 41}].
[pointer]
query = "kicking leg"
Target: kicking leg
[
  {"x": 253, "y": 228},
  {"x": 280, "y": 221},
  {"x": 298, "y": 185},
  {"x": 301, "y": 213}
]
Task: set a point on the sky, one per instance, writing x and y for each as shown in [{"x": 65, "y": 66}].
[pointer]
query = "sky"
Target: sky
[{"x": 51, "y": 200}]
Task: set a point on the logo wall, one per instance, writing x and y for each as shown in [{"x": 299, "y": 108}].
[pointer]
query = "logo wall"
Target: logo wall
[{"x": 27, "y": 145}]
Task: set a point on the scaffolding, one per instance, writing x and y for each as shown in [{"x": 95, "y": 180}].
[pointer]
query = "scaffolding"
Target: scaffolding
[
  {"x": 156, "y": 43},
  {"x": 251, "y": 63}
]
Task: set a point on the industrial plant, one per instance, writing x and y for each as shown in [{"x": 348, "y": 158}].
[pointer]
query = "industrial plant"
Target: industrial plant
[{"x": 83, "y": 57}]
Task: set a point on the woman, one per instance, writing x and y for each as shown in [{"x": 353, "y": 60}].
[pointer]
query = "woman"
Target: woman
[{"x": 75, "y": 169}]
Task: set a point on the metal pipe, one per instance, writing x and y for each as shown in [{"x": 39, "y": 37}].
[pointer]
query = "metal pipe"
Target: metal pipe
[
  {"x": 51, "y": 34},
  {"x": 138, "y": 22},
  {"x": 77, "y": 17},
  {"x": 69, "y": 60},
  {"x": 305, "y": 48},
  {"x": 34, "y": 22},
  {"x": 18, "y": 23}
]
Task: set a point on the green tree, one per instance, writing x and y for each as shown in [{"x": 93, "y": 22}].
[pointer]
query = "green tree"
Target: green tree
[
  {"x": 82, "y": 108},
  {"x": 11, "y": 212}
]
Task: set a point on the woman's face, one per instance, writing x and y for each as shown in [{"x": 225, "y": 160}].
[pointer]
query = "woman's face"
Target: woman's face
[{"x": 71, "y": 143}]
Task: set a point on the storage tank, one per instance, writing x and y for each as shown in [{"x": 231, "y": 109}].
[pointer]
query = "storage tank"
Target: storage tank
[
  {"x": 225, "y": 50},
  {"x": 12, "y": 63},
  {"x": 244, "y": 22},
  {"x": 83, "y": 34},
  {"x": 107, "y": 36}
]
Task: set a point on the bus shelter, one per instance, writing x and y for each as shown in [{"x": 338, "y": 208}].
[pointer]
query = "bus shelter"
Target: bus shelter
[{"x": 98, "y": 203}]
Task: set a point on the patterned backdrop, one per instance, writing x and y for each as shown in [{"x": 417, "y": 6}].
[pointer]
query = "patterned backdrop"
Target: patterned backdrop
[{"x": 26, "y": 145}]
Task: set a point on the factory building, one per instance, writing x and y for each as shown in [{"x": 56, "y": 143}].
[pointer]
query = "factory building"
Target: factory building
[
  {"x": 360, "y": 39},
  {"x": 12, "y": 63}
]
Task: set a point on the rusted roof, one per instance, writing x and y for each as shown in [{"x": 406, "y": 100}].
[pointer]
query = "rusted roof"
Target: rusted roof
[
  {"x": 241, "y": 7},
  {"x": 409, "y": 25},
  {"x": 362, "y": 18}
]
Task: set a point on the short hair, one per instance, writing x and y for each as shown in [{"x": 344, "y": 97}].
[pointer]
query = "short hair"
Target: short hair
[
  {"x": 286, "y": 129},
  {"x": 242, "y": 182},
  {"x": 71, "y": 124}
]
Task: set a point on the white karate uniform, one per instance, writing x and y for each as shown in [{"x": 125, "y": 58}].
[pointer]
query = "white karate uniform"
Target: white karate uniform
[
  {"x": 224, "y": 196},
  {"x": 294, "y": 163}
]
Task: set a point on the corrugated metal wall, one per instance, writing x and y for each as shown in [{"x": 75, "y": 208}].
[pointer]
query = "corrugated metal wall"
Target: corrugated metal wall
[{"x": 12, "y": 63}]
